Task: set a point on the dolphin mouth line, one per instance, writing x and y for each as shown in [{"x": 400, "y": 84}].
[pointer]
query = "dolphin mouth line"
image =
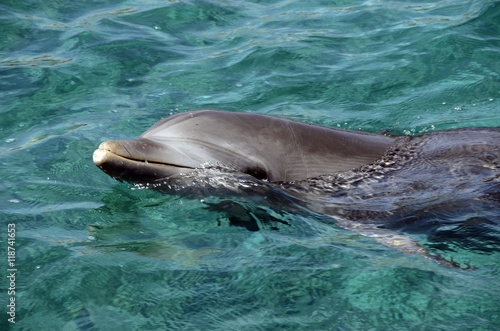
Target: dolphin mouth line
[{"x": 101, "y": 155}]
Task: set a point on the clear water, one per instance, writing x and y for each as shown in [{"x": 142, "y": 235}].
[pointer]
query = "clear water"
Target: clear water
[{"x": 95, "y": 254}]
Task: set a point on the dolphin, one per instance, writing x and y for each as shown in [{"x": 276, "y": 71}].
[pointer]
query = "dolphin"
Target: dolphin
[
  {"x": 367, "y": 183},
  {"x": 265, "y": 147}
]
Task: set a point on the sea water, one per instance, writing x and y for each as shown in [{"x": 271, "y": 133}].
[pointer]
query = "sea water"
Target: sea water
[{"x": 91, "y": 253}]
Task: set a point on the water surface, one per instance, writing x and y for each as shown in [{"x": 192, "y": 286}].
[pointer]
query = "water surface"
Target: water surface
[{"x": 96, "y": 254}]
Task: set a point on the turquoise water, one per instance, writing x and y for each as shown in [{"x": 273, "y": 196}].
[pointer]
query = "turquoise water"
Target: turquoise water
[{"x": 96, "y": 254}]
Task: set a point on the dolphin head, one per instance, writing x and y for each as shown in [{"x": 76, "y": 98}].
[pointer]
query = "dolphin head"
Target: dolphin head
[
  {"x": 183, "y": 143},
  {"x": 264, "y": 147}
]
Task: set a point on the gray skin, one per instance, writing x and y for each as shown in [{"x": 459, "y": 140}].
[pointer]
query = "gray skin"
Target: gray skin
[
  {"x": 265, "y": 147},
  {"x": 368, "y": 184}
]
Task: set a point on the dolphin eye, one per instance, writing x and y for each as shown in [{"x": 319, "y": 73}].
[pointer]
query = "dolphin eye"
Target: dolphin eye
[{"x": 257, "y": 172}]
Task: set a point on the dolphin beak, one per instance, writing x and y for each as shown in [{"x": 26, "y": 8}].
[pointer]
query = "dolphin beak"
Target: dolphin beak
[
  {"x": 100, "y": 156},
  {"x": 113, "y": 151},
  {"x": 129, "y": 160}
]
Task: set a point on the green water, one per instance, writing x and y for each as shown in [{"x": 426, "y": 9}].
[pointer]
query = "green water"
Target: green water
[{"x": 96, "y": 254}]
